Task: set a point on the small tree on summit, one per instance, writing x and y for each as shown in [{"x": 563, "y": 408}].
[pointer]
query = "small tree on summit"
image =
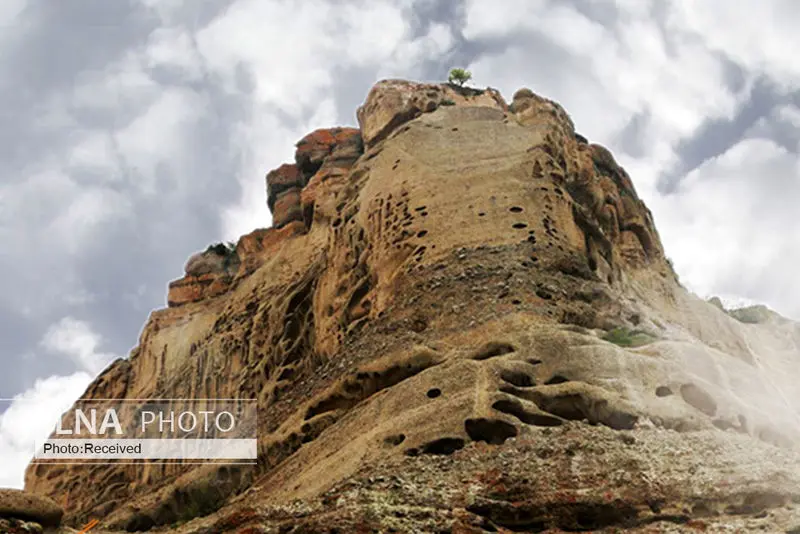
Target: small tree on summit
[{"x": 459, "y": 76}]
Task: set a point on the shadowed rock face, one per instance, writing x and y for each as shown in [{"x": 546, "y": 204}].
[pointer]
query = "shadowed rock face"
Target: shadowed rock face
[
  {"x": 20, "y": 505},
  {"x": 461, "y": 319}
]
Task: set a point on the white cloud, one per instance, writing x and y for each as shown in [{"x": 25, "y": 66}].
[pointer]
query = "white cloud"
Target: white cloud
[
  {"x": 759, "y": 35},
  {"x": 158, "y": 136},
  {"x": 30, "y": 417},
  {"x": 790, "y": 114},
  {"x": 731, "y": 230},
  {"x": 409, "y": 54},
  {"x": 172, "y": 47},
  {"x": 79, "y": 342},
  {"x": 10, "y": 11},
  {"x": 62, "y": 218},
  {"x": 93, "y": 151},
  {"x": 491, "y": 19},
  {"x": 291, "y": 69},
  {"x": 122, "y": 85},
  {"x": 266, "y": 148},
  {"x": 167, "y": 10}
]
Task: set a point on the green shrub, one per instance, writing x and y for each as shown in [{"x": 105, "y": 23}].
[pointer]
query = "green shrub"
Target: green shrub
[
  {"x": 625, "y": 337},
  {"x": 751, "y": 314},
  {"x": 447, "y": 102},
  {"x": 459, "y": 76}
]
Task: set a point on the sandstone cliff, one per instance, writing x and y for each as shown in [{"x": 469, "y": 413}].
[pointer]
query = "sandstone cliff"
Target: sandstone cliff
[{"x": 462, "y": 320}]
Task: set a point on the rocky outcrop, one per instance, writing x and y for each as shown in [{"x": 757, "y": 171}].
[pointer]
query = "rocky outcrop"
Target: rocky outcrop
[
  {"x": 462, "y": 320},
  {"x": 26, "y": 506},
  {"x": 391, "y": 103},
  {"x": 208, "y": 274},
  {"x": 335, "y": 149}
]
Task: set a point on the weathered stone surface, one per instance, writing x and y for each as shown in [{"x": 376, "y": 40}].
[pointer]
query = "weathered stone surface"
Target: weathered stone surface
[
  {"x": 287, "y": 208},
  {"x": 285, "y": 177},
  {"x": 320, "y": 154},
  {"x": 17, "y": 504},
  {"x": 314, "y": 149},
  {"x": 192, "y": 288},
  {"x": 208, "y": 274},
  {"x": 470, "y": 327},
  {"x": 391, "y": 103},
  {"x": 256, "y": 247}
]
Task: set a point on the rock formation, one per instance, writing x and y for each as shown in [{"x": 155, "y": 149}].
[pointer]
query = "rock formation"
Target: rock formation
[
  {"x": 27, "y": 512},
  {"x": 462, "y": 320}
]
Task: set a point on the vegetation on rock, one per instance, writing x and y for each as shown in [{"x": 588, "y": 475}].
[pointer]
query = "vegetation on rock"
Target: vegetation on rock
[
  {"x": 459, "y": 76},
  {"x": 222, "y": 249},
  {"x": 626, "y": 337}
]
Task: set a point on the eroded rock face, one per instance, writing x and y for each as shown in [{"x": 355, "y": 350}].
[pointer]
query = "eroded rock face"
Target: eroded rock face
[
  {"x": 208, "y": 274},
  {"x": 391, "y": 103},
  {"x": 319, "y": 155},
  {"x": 26, "y": 506},
  {"x": 473, "y": 310}
]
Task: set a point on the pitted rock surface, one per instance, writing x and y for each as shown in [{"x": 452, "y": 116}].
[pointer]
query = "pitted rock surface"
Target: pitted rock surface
[{"x": 462, "y": 320}]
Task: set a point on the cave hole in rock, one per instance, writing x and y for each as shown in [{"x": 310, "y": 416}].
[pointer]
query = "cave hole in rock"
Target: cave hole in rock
[
  {"x": 424, "y": 213},
  {"x": 493, "y": 349},
  {"x": 422, "y": 233},
  {"x": 286, "y": 373},
  {"x": 433, "y": 393},
  {"x": 556, "y": 379},
  {"x": 517, "y": 378},
  {"x": 492, "y": 431},
  {"x": 516, "y": 302},
  {"x": 420, "y": 208},
  {"x": 512, "y": 520},
  {"x": 543, "y": 294},
  {"x": 481, "y": 214},
  {"x": 532, "y": 418},
  {"x": 591, "y": 517},
  {"x": 519, "y": 225},
  {"x": 515, "y": 209},
  {"x": 395, "y": 439},
  {"x": 443, "y": 446},
  {"x": 663, "y": 391}
]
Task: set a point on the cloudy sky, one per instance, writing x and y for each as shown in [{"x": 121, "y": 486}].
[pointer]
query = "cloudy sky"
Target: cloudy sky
[{"x": 135, "y": 132}]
